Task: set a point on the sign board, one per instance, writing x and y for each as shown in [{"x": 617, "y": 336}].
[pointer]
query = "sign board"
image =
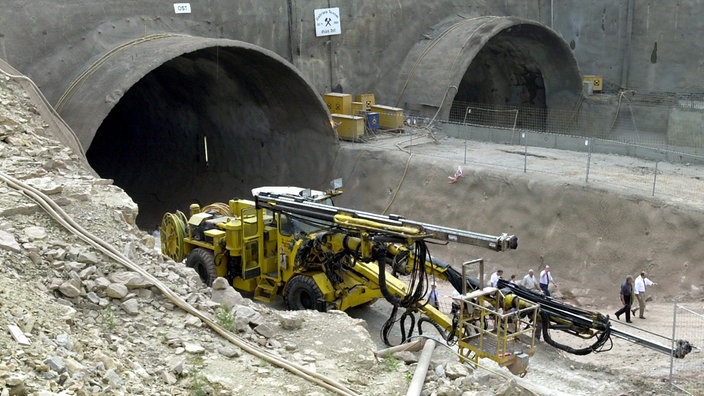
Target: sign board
[
  {"x": 182, "y": 8},
  {"x": 327, "y": 22}
]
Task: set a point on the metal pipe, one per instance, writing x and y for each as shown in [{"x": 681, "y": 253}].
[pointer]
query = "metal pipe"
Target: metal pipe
[
  {"x": 525, "y": 152},
  {"x": 672, "y": 344},
  {"x": 655, "y": 176},
  {"x": 589, "y": 159},
  {"x": 413, "y": 346},
  {"x": 418, "y": 380},
  {"x": 626, "y": 60},
  {"x": 205, "y": 145}
]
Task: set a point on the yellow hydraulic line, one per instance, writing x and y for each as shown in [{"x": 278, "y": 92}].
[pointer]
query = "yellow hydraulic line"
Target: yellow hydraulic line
[
  {"x": 58, "y": 214},
  {"x": 348, "y": 220}
]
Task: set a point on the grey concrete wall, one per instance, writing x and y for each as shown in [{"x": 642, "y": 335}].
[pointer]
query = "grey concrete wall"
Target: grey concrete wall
[
  {"x": 643, "y": 46},
  {"x": 276, "y": 68},
  {"x": 658, "y": 50},
  {"x": 648, "y": 46},
  {"x": 685, "y": 128}
]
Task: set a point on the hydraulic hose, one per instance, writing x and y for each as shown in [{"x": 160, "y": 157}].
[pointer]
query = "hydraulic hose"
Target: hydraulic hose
[{"x": 555, "y": 314}]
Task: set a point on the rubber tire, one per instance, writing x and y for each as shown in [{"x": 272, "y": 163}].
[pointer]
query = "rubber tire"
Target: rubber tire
[
  {"x": 203, "y": 261},
  {"x": 302, "y": 292}
]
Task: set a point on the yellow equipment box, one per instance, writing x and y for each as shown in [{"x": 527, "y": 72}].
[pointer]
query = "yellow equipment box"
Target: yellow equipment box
[
  {"x": 367, "y": 99},
  {"x": 597, "y": 82},
  {"x": 358, "y": 108},
  {"x": 349, "y": 127},
  {"x": 389, "y": 117},
  {"x": 338, "y": 103}
]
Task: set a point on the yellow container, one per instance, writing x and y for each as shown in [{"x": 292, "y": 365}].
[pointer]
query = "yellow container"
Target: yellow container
[
  {"x": 349, "y": 127},
  {"x": 389, "y": 117},
  {"x": 367, "y": 99},
  {"x": 357, "y": 108},
  {"x": 596, "y": 81},
  {"x": 338, "y": 103}
]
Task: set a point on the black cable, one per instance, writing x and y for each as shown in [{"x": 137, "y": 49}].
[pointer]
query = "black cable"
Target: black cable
[
  {"x": 445, "y": 335},
  {"x": 388, "y": 325},
  {"x": 595, "y": 347},
  {"x": 405, "y": 315}
]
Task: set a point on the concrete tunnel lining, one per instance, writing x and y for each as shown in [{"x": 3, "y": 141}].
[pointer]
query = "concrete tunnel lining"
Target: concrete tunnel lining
[
  {"x": 144, "y": 111},
  {"x": 489, "y": 60}
]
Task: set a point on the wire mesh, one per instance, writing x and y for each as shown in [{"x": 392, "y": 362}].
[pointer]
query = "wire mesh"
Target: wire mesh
[
  {"x": 618, "y": 119},
  {"x": 659, "y": 164},
  {"x": 686, "y": 373}
]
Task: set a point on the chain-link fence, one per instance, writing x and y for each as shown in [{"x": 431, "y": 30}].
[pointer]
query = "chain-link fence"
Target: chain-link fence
[
  {"x": 685, "y": 374},
  {"x": 677, "y": 177},
  {"x": 586, "y": 142},
  {"x": 662, "y": 120}
]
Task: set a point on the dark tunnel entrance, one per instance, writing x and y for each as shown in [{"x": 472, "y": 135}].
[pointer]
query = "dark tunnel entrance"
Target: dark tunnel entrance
[
  {"x": 504, "y": 76},
  {"x": 501, "y": 72},
  {"x": 209, "y": 126}
]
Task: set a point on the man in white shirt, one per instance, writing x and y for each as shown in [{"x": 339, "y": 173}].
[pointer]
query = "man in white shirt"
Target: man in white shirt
[
  {"x": 495, "y": 278},
  {"x": 530, "y": 283},
  {"x": 639, "y": 286},
  {"x": 546, "y": 280}
]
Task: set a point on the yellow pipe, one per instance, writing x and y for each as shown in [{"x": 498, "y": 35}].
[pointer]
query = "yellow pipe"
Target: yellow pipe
[{"x": 347, "y": 220}]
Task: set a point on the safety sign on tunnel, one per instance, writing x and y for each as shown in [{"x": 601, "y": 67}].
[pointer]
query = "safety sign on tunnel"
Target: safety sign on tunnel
[{"x": 327, "y": 22}]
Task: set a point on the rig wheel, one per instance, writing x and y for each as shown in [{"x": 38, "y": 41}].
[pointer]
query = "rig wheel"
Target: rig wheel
[
  {"x": 302, "y": 292},
  {"x": 203, "y": 261},
  {"x": 171, "y": 233}
]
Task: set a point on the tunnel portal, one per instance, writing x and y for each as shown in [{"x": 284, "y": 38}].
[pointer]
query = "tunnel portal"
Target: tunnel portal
[
  {"x": 209, "y": 125},
  {"x": 491, "y": 64}
]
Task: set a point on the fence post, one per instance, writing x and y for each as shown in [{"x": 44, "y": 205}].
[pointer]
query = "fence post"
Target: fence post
[
  {"x": 655, "y": 177},
  {"x": 515, "y": 121},
  {"x": 465, "y": 151},
  {"x": 589, "y": 159},
  {"x": 672, "y": 346},
  {"x": 525, "y": 151}
]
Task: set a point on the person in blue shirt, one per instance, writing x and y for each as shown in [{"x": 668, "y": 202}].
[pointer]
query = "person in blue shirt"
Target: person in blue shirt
[
  {"x": 433, "y": 296},
  {"x": 626, "y": 299}
]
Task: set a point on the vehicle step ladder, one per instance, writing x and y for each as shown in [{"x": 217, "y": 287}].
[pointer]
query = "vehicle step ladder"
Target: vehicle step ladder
[{"x": 266, "y": 291}]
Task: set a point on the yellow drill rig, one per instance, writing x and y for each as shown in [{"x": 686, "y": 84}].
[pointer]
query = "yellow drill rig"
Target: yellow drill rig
[{"x": 294, "y": 243}]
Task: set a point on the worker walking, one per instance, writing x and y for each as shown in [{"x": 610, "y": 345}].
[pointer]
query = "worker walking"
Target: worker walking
[
  {"x": 626, "y": 299},
  {"x": 545, "y": 280},
  {"x": 494, "y": 280},
  {"x": 530, "y": 283},
  {"x": 639, "y": 286},
  {"x": 433, "y": 296}
]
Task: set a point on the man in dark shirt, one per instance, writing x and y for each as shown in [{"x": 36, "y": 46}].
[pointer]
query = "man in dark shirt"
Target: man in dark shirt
[{"x": 626, "y": 299}]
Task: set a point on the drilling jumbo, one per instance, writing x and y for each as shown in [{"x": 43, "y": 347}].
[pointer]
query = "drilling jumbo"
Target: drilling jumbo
[{"x": 294, "y": 243}]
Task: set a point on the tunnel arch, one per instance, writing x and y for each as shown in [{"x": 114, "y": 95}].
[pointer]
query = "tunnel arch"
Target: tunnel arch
[
  {"x": 499, "y": 61},
  {"x": 176, "y": 119}
]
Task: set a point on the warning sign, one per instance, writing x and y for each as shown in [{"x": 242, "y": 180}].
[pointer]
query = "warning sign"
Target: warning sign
[{"x": 327, "y": 22}]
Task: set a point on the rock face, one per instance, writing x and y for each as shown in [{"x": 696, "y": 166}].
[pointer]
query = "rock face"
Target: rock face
[{"x": 94, "y": 327}]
